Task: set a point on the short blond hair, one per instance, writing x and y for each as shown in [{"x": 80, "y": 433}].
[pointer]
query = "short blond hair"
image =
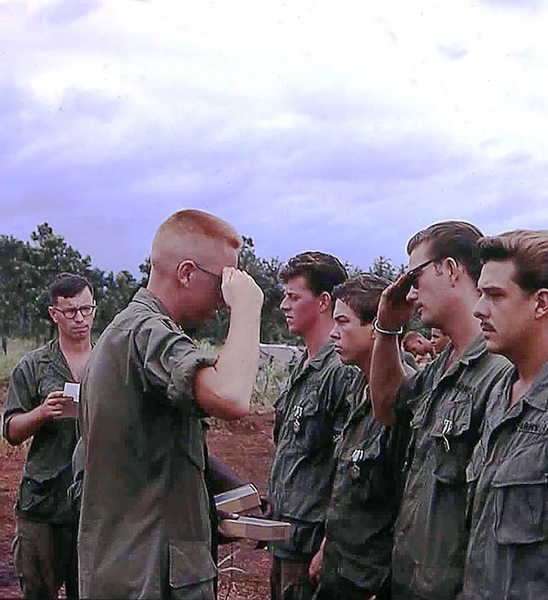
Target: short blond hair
[
  {"x": 186, "y": 234},
  {"x": 197, "y": 222}
]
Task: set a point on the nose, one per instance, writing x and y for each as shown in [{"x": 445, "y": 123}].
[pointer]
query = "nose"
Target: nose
[
  {"x": 412, "y": 294},
  {"x": 283, "y": 305},
  {"x": 334, "y": 333},
  {"x": 79, "y": 316},
  {"x": 479, "y": 309}
]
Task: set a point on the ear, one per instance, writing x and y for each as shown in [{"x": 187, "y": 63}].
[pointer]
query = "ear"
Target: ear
[
  {"x": 541, "y": 307},
  {"x": 326, "y": 303},
  {"x": 453, "y": 268},
  {"x": 53, "y": 314},
  {"x": 184, "y": 272}
]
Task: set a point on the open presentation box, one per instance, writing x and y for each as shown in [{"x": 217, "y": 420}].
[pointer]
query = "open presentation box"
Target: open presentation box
[
  {"x": 239, "y": 499},
  {"x": 254, "y": 528},
  {"x": 246, "y": 497}
]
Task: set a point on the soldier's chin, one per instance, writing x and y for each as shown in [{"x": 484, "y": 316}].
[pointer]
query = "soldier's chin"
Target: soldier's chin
[{"x": 344, "y": 358}]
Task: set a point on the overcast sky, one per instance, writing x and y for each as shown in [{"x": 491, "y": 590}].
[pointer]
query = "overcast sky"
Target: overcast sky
[{"x": 338, "y": 126}]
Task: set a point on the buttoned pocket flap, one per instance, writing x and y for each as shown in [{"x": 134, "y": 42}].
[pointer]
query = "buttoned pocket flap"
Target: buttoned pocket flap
[
  {"x": 454, "y": 418},
  {"x": 521, "y": 497}
]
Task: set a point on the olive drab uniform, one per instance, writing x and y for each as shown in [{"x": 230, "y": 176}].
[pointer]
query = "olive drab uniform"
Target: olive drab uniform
[
  {"x": 47, "y": 475},
  {"x": 310, "y": 415},
  {"x": 145, "y": 527},
  {"x": 363, "y": 505},
  {"x": 508, "y": 547},
  {"x": 446, "y": 410}
]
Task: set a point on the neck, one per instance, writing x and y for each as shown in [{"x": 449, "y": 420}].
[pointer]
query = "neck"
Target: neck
[
  {"x": 462, "y": 327},
  {"x": 163, "y": 292},
  {"x": 69, "y": 346},
  {"x": 529, "y": 357},
  {"x": 318, "y": 336},
  {"x": 365, "y": 366}
]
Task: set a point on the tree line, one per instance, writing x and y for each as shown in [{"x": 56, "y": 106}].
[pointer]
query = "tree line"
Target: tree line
[{"x": 28, "y": 267}]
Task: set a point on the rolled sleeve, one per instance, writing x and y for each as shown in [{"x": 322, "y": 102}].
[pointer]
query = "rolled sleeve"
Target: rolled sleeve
[
  {"x": 171, "y": 360},
  {"x": 21, "y": 394}
]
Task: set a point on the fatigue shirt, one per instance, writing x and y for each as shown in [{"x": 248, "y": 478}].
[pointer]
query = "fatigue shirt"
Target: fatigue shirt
[
  {"x": 447, "y": 408},
  {"x": 47, "y": 474},
  {"x": 144, "y": 507},
  {"x": 310, "y": 415},
  {"x": 508, "y": 548},
  {"x": 363, "y": 503}
]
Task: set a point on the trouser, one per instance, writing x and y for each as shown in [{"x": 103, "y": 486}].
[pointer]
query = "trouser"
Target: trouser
[
  {"x": 206, "y": 590},
  {"x": 334, "y": 586},
  {"x": 343, "y": 589},
  {"x": 289, "y": 580},
  {"x": 45, "y": 558}
]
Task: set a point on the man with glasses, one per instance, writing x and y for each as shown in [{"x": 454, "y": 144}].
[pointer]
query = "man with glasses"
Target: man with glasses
[
  {"x": 45, "y": 538},
  {"x": 443, "y": 404},
  {"x": 145, "y": 528}
]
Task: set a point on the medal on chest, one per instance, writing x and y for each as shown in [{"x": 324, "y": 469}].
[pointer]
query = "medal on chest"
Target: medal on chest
[
  {"x": 297, "y": 414},
  {"x": 357, "y": 457}
]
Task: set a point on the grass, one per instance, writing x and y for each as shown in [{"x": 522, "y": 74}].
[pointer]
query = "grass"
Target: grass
[
  {"x": 268, "y": 386},
  {"x": 16, "y": 349}
]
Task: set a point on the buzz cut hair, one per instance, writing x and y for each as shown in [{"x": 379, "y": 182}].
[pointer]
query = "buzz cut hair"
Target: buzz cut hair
[
  {"x": 527, "y": 249},
  {"x": 451, "y": 239},
  {"x": 362, "y": 294},
  {"x": 197, "y": 222},
  {"x": 321, "y": 271}
]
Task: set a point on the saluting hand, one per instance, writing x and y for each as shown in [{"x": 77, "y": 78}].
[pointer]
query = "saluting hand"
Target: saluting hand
[
  {"x": 240, "y": 290},
  {"x": 394, "y": 309}
]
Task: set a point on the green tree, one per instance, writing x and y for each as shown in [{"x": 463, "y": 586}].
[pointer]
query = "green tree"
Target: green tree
[
  {"x": 16, "y": 293},
  {"x": 117, "y": 292},
  {"x": 383, "y": 267}
]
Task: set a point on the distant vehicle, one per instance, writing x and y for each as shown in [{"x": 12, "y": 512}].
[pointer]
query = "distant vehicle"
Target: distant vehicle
[{"x": 282, "y": 353}]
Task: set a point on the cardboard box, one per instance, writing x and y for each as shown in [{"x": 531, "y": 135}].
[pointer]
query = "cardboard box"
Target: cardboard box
[
  {"x": 241, "y": 498},
  {"x": 254, "y": 528}
]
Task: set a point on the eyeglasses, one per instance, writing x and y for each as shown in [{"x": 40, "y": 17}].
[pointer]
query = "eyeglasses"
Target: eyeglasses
[
  {"x": 70, "y": 313},
  {"x": 219, "y": 278},
  {"x": 413, "y": 274}
]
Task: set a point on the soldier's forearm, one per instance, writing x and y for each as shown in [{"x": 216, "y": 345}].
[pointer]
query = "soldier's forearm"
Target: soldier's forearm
[
  {"x": 221, "y": 477},
  {"x": 22, "y": 426},
  {"x": 387, "y": 375}
]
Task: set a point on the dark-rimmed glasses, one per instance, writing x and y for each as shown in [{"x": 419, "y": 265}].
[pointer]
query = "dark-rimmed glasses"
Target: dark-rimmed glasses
[
  {"x": 70, "y": 313},
  {"x": 219, "y": 278},
  {"x": 413, "y": 274}
]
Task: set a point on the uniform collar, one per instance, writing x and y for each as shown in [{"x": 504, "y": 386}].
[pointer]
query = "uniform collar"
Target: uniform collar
[
  {"x": 537, "y": 395},
  {"x": 143, "y": 296},
  {"x": 474, "y": 351},
  {"x": 317, "y": 362}
]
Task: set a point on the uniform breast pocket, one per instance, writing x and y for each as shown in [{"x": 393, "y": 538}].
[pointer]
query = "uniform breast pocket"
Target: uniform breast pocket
[
  {"x": 454, "y": 443},
  {"x": 521, "y": 497},
  {"x": 366, "y": 473},
  {"x": 306, "y": 423}
]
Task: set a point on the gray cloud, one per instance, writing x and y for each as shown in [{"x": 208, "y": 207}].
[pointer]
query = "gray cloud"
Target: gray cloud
[
  {"x": 62, "y": 12},
  {"x": 453, "y": 51}
]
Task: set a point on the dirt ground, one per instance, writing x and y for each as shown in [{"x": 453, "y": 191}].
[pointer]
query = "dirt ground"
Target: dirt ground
[{"x": 245, "y": 446}]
